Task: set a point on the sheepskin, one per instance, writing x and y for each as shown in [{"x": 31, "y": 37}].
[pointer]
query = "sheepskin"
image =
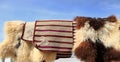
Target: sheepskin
[{"x": 97, "y": 39}]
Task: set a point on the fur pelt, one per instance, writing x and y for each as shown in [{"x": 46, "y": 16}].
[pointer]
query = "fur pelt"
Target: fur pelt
[{"x": 98, "y": 36}]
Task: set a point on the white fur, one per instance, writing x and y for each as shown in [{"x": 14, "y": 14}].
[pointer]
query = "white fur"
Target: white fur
[
  {"x": 83, "y": 34},
  {"x": 105, "y": 33},
  {"x": 110, "y": 35}
]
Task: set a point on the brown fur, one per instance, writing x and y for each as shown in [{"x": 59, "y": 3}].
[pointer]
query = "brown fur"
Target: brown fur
[
  {"x": 100, "y": 51},
  {"x": 111, "y": 55},
  {"x": 96, "y": 23},
  {"x": 80, "y": 21},
  {"x": 86, "y": 51},
  {"x": 112, "y": 18}
]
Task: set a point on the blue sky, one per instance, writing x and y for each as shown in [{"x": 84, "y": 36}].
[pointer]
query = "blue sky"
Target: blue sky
[{"x": 31, "y": 10}]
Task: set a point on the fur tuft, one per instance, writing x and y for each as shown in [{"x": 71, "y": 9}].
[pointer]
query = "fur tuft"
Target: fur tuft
[
  {"x": 112, "y": 18},
  {"x": 80, "y": 21},
  {"x": 13, "y": 27},
  {"x": 86, "y": 51},
  {"x": 96, "y": 23}
]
